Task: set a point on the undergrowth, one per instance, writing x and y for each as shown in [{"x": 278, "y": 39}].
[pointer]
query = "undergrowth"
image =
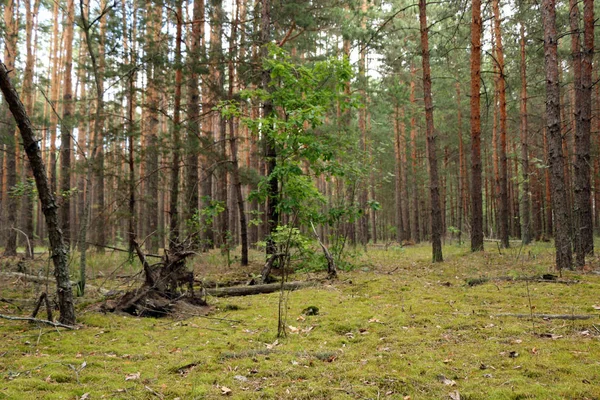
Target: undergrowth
[{"x": 395, "y": 327}]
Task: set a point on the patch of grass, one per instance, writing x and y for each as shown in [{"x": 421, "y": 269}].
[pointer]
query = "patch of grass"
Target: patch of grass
[{"x": 388, "y": 330}]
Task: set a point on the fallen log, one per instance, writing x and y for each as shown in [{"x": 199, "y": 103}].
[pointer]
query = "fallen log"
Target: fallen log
[
  {"x": 41, "y": 321},
  {"x": 549, "y": 316},
  {"x": 258, "y": 289}
]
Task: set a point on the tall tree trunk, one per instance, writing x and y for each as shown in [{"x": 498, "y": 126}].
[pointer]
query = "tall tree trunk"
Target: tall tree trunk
[
  {"x": 235, "y": 172},
  {"x": 194, "y": 60},
  {"x": 66, "y": 127},
  {"x": 28, "y": 101},
  {"x": 504, "y": 205},
  {"x": 8, "y": 131},
  {"x": 54, "y": 89},
  {"x": 60, "y": 251},
  {"x": 154, "y": 13},
  {"x": 272, "y": 214},
  {"x": 584, "y": 235},
  {"x": 564, "y": 258},
  {"x": 525, "y": 208},
  {"x": 436, "y": 214},
  {"x": 415, "y": 232},
  {"x": 175, "y": 167},
  {"x": 462, "y": 167},
  {"x": 398, "y": 181},
  {"x": 476, "y": 200}
]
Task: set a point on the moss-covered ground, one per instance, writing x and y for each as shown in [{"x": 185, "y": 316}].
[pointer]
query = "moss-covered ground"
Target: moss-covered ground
[{"x": 395, "y": 327}]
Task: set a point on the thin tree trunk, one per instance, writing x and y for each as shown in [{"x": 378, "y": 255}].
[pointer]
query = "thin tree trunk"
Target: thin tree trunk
[
  {"x": 194, "y": 60},
  {"x": 583, "y": 207},
  {"x": 436, "y": 215},
  {"x": 235, "y": 172},
  {"x": 175, "y": 167},
  {"x": 504, "y": 204},
  {"x": 272, "y": 214},
  {"x": 66, "y": 127},
  {"x": 525, "y": 208},
  {"x": 415, "y": 232},
  {"x": 59, "y": 249},
  {"x": 154, "y": 12},
  {"x": 564, "y": 257},
  {"x": 8, "y": 131}
]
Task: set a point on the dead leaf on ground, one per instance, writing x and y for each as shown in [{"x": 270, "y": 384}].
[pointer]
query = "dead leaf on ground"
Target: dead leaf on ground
[
  {"x": 225, "y": 391},
  {"x": 85, "y": 396},
  {"x": 596, "y": 307},
  {"x": 454, "y": 395},
  {"x": 132, "y": 377},
  {"x": 270, "y": 346},
  {"x": 446, "y": 381}
]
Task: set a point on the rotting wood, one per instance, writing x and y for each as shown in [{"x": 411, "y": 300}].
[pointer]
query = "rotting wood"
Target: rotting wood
[
  {"x": 258, "y": 289},
  {"x": 549, "y": 316},
  {"x": 41, "y": 321}
]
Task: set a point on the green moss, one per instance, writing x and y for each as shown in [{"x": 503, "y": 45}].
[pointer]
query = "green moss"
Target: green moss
[{"x": 390, "y": 333}]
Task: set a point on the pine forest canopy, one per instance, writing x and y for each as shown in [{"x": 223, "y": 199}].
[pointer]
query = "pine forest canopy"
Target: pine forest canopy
[{"x": 248, "y": 123}]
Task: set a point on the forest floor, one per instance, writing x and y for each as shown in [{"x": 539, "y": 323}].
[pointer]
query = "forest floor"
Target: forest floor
[{"x": 395, "y": 327}]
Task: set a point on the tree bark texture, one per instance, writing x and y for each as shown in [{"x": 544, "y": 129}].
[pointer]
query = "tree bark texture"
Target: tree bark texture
[
  {"x": 503, "y": 212},
  {"x": 564, "y": 257},
  {"x": 476, "y": 200},
  {"x": 584, "y": 235},
  {"x": 436, "y": 214}
]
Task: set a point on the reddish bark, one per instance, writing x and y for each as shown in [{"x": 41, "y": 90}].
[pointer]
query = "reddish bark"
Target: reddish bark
[{"x": 476, "y": 200}]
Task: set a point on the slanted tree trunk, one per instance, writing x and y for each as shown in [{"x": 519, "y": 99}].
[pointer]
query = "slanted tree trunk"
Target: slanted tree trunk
[
  {"x": 476, "y": 200},
  {"x": 436, "y": 214},
  {"x": 525, "y": 207},
  {"x": 59, "y": 249},
  {"x": 564, "y": 257}
]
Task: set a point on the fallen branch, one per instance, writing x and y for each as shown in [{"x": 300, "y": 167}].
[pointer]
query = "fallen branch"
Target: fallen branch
[
  {"x": 548, "y": 316},
  {"x": 43, "y": 280},
  {"x": 481, "y": 281},
  {"x": 258, "y": 289},
  {"x": 41, "y": 321}
]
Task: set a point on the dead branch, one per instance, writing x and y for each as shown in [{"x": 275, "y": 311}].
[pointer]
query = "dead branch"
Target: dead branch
[
  {"x": 41, "y": 321},
  {"x": 331, "y": 269},
  {"x": 539, "y": 279},
  {"x": 571, "y": 317},
  {"x": 43, "y": 280}
]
